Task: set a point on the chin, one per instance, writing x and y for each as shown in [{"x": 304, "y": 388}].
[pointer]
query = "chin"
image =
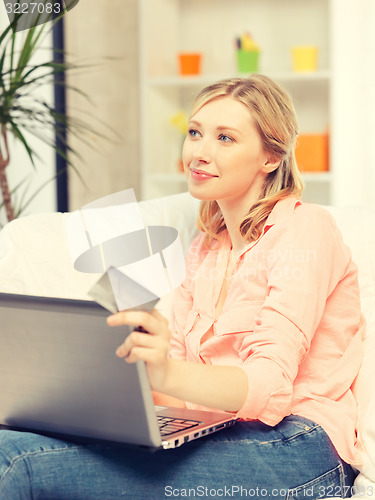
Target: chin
[
  {"x": 200, "y": 196},
  {"x": 200, "y": 191}
]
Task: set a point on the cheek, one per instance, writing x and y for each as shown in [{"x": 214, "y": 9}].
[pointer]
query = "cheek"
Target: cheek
[{"x": 186, "y": 151}]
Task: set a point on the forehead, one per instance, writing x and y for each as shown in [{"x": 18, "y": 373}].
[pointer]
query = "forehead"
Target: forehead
[{"x": 227, "y": 110}]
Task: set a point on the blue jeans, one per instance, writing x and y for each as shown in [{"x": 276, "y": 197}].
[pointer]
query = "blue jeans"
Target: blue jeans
[{"x": 293, "y": 460}]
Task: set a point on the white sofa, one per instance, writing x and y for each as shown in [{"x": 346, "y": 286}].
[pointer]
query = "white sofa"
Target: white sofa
[{"x": 34, "y": 259}]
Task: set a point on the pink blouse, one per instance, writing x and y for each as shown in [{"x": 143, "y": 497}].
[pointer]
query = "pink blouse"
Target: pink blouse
[{"x": 291, "y": 320}]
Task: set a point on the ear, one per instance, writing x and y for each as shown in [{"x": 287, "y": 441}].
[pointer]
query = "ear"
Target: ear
[{"x": 270, "y": 165}]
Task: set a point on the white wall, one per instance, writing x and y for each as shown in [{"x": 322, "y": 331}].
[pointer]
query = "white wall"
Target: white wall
[
  {"x": 353, "y": 102},
  {"x": 106, "y": 39}
]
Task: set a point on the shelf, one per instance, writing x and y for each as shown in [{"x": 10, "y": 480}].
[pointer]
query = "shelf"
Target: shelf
[
  {"x": 170, "y": 27},
  {"x": 202, "y": 80},
  {"x": 316, "y": 177}
]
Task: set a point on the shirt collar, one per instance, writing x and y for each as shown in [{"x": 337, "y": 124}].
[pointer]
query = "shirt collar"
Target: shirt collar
[{"x": 283, "y": 209}]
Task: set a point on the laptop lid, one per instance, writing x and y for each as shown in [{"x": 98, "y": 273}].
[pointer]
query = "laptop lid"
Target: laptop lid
[{"x": 59, "y": 372}]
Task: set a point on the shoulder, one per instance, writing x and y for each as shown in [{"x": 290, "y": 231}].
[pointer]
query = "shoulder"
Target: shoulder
[
  {"x": 291, "y": 208},
  {"x": 197, "y": 250},
  {"x": 198, "y": 245},
  {"x": 314, "y": 212},
  {"x": 304, "y": 225},
  {"x": 201, "y": 246},
  {"x": 202, "y": 252},
  {"x": 315, "y": 230},
  {"x": 313, "y": 219},
  {"x": 293, "y": 214}
]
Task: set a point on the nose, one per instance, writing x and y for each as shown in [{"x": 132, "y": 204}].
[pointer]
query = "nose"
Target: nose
[{"x": 202, "y": 151}]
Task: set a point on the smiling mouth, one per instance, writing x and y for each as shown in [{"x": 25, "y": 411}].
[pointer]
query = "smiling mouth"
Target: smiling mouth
[{"x": 200, "y": 174}]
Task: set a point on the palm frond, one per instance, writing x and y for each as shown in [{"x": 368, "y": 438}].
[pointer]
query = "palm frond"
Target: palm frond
[
  {"x": 25, "y": 113},
  {"x": 17, "y": 133}
]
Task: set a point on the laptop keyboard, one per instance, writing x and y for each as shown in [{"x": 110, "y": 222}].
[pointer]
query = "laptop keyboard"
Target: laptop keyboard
[{"x": 170, "y": 425}]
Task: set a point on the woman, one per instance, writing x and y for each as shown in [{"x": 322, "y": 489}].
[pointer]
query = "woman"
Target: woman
[{"x": 267, "y": 325}]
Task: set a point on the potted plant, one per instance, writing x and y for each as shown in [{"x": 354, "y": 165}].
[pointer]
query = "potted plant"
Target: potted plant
[{"x": 24, "y": 113}]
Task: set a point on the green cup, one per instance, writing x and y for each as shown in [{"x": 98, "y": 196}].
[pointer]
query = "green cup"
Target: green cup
[{"x": 247, "y": 61}]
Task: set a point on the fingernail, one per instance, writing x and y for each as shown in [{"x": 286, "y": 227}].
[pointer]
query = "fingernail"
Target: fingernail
[{"x": 111, "y": 320}]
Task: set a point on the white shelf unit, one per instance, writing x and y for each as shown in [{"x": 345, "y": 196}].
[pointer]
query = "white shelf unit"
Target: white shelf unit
[{"x": 210, "y": 27}]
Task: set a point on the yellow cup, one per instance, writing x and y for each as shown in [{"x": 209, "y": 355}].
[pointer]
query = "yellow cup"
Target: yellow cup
[{"x": 305, "y": 58}]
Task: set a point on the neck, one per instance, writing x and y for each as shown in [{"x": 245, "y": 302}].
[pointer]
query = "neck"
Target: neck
[
  {"x": 233, "y": 224},
  {"x": 233, "y": 215}
]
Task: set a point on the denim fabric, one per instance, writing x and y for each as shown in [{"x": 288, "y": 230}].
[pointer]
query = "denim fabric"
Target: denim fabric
[{"x": 293, "y": 460}]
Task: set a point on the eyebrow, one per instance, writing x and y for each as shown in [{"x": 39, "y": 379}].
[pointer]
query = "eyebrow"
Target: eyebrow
[{"x": 220, "y": 127}]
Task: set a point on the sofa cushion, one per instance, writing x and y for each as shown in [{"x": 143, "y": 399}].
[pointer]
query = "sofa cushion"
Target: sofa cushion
[{"x": 357, "y": 225}]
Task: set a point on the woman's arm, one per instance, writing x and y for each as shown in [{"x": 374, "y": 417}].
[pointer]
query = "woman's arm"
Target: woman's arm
[
  {"x": 165, "y": 400},
  {"x": 221, "y": 387}
]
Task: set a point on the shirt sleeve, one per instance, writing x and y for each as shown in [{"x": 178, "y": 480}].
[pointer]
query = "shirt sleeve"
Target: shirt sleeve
[
  {"x": 306, "y": 261},
  {"x": 183, "y": 299}
]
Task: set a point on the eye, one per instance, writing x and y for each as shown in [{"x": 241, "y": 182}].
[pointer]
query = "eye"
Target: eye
[
  {"x": 225, "y": 138},
  {"x": 193, "y": 133}
]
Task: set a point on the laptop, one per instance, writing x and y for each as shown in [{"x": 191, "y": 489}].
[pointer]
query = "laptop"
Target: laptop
[{"x": 60, "y": 375}]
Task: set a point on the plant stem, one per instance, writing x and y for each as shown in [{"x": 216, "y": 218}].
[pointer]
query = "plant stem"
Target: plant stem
[{"x": 4, "y": 161}]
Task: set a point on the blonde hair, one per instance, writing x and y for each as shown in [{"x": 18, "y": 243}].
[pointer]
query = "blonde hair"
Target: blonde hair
[{"x": 272, "y": 110}]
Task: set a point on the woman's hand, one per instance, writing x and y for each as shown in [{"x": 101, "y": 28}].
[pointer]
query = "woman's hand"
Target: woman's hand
[
  {"x": 222, "y": 387},
  {"x": 151, "y": 347}
]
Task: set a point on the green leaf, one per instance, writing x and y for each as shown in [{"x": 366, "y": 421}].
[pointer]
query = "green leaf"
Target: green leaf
[
  {"x": 16, "y": 131},
  {"x": 5, "y": 33}
]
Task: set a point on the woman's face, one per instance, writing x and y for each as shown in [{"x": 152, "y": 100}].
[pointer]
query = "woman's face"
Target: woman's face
[{"x": 223, "y": 153}]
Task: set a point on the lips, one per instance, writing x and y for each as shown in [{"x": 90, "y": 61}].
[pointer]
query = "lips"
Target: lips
[{"x": 201, "y": 174}]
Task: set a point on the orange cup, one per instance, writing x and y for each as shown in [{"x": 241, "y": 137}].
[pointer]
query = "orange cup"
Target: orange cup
[
  {"x": 312, "y": 152},
  {"x": 189, "y": 63}
]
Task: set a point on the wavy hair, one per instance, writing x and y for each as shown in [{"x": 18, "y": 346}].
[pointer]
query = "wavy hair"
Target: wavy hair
[{"x": 273, "y": 112}]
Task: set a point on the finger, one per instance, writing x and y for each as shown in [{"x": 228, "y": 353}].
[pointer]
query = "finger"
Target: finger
[
  {"x": 133, "y": 317},
  {"x": 156, "y": 314},
  {"x": 128, "y": 318},
  {"x": 141, "y": 329},
  {"x": 149, "y": 356},
  {"x": 153, "y": 322},
  {"x": 136, "y": 339},
  {"x": 139, "y": 354}
]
